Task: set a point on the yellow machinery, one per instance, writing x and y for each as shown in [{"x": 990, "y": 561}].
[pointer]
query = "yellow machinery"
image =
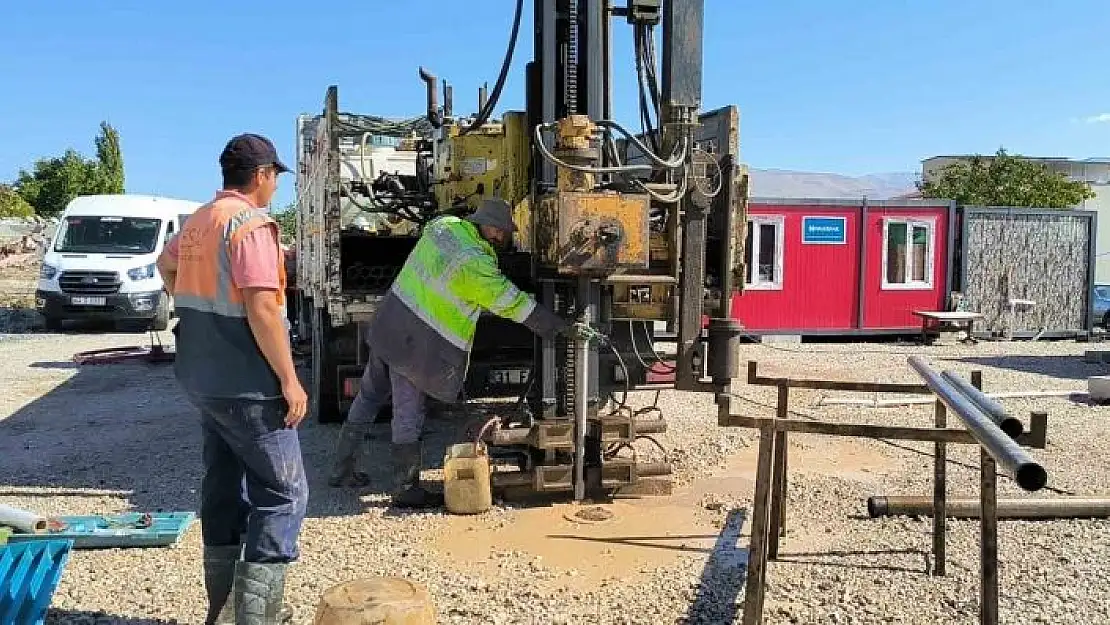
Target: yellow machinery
[{"x": 618, "y": 231}]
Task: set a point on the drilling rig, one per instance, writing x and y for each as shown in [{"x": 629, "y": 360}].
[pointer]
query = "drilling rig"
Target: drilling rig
[{"x": 620, "y": 231}]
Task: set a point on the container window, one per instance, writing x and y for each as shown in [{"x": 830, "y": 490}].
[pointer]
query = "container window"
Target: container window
[
  {"x": 920, "y": 253},
  {"x": 896, "y": 253},
  {"x": 908, "y": 254},
  {"x": 764, "y": 253}
]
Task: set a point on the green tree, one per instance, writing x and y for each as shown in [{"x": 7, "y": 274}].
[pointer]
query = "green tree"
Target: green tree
[
  {"x": 12, "y": 205},
  {"x": 109, "y": 159},
  {"x": 54, "y": 182},
  {"x": 287, "y": 219},
  {"x": 1005, "y": 180}
]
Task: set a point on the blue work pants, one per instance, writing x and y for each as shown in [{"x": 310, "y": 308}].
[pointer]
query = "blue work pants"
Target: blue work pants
[{"x": 254, "y": 489}]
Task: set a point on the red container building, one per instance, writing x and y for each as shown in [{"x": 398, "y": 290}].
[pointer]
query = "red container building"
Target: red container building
[{"x": 831, "y": 266}]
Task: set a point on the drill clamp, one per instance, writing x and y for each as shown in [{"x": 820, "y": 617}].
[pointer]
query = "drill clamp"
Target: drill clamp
[{"x": 585, "y": 332}]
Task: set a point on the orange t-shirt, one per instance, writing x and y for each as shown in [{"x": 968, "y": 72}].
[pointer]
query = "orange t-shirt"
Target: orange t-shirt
[{"x": 254, "y": 260}]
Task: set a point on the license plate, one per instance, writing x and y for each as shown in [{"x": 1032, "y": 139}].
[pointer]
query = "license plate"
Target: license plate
[
  {"x": 88, "y": 301},
  {"x": 508, "y": 377}
]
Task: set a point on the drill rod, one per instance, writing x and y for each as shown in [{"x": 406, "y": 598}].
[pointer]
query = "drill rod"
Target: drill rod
[{"x": 581, "y": 391}]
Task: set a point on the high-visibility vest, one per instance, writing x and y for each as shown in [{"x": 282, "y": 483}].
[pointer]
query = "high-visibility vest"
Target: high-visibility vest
[
  {"x": 451, "y": 276},
  {"x": 217, "y": 355}
]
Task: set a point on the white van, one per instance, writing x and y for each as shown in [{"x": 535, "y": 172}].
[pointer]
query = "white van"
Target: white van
[{"x": 101, "y": 262}]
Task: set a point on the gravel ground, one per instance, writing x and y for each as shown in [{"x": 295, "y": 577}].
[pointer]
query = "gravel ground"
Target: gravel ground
[{"x": 114, "y": 438}]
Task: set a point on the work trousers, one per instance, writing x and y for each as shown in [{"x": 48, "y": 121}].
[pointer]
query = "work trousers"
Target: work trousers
[
  {"x": 254, "y": 489},
  {"x": 377, "y": 386}
]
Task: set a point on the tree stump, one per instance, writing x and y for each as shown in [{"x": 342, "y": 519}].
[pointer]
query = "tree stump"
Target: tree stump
[{"x": 376, "y": 601}]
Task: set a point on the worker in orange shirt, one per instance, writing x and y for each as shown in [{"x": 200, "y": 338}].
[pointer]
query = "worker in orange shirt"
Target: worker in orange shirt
[{"x": 226, "y": 272}]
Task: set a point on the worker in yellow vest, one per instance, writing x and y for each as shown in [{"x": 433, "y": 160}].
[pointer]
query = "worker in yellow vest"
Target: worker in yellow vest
[{"x": 421, "y": 336}]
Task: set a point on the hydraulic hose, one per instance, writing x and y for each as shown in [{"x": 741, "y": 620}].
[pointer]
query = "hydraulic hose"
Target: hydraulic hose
[
  {"x": 484, "y": 114},
  {"x": 680, "y": 150},
  {"x": 619, "y": 169}
]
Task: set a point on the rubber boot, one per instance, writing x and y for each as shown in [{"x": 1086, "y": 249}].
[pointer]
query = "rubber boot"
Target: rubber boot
[
  {"x": 407, "y": 491},
  {"x": 347, "y": 452},
  {"x": 219, "y": 575},
  {"x": 258, "y": 593}
]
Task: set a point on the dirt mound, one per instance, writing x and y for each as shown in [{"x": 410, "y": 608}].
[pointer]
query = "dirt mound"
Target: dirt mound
[{"x": 35, "y": 239}]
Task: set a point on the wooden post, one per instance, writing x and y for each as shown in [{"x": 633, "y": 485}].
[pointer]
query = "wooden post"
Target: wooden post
[
  {"x": 778, "y": 487},
  {"x": 940, "y": 475},
  {"x": 757, "y": 553},
  {"x": 988, "y": 530}
]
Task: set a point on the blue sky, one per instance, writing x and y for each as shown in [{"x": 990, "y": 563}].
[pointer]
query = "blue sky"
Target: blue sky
[{"x": 850, "y": 87}]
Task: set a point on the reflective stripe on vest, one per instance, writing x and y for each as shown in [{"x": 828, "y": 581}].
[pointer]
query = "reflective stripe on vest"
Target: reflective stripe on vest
[
  {"x": 204, "y": 280},
  {"x": 451, "y": 276}
]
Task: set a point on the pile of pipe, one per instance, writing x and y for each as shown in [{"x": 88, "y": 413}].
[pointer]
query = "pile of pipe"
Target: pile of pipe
[{"x": 360, "y": 276}]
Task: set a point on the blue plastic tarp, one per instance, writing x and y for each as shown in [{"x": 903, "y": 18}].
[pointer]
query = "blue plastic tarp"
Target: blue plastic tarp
[{"x": 29, "y": 575}]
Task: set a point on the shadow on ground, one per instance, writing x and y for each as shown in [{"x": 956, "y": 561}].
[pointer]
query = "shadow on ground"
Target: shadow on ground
[
  {"x": 19, "y": 320},
  {"x": 73, "y": 617},
  {"x": 850, "y": 559},
  {"x": 724, "y": 576},
  {"x": 128, "y": 431},
  {"x": 1063, "y": 367}
]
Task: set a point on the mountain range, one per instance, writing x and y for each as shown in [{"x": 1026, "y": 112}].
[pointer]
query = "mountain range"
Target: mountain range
[{"x": 783, "y": 183}]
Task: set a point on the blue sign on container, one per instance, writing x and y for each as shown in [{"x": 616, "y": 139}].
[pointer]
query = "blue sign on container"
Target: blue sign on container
[{"x": 828, "y": 230}]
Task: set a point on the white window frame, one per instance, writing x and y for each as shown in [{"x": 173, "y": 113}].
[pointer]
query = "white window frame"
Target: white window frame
[
  {"x": 752, "y": 257},
  {"x": 930, "y": 224}
]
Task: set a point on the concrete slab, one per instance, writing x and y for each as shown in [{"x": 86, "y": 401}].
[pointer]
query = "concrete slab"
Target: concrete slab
[
  {"x": 1098, "y": 388},
  {"x": 781, "y": 339}
]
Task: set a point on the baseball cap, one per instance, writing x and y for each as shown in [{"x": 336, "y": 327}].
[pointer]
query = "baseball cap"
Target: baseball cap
[{"x": 248, "y": 151}]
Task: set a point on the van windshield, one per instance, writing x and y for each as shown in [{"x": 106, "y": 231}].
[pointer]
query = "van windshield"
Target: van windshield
[{"x": 109, "y": 235}]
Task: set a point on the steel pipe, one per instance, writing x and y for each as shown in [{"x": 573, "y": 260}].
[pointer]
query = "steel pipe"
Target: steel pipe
[
  {"x": 1014, "y": 460},
  {"x": 649, "y": 426},
  {"x": 581, "y": 390},
  {"x": 1041, "y": 508},
  {"x": 22, "y": 520},
  {"x": 1009, "y": 424}
]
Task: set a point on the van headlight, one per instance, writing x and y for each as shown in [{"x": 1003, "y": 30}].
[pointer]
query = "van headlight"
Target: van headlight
[
  {"x": 142, "y": 273},
  {"x": 47, "y": 272}
]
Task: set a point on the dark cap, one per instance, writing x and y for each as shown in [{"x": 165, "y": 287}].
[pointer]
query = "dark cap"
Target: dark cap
[{"x": 248, "y": 151}]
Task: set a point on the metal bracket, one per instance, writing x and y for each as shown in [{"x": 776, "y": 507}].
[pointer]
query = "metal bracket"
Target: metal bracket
[{"x": 645, "y": 12}]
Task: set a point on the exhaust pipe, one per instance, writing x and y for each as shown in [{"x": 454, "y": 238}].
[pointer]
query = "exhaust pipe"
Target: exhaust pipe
[
  {"x": 1043, "y": 508},
  {"x": 435, "y": 117}
]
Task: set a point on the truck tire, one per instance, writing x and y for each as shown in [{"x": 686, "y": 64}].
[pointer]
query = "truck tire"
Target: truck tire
[
  {"x": 324, "y": 393},
  {"x": 161, "y": 320}
]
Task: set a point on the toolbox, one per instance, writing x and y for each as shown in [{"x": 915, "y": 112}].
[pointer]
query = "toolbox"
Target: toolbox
[{"x": 133, "y": 529}]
